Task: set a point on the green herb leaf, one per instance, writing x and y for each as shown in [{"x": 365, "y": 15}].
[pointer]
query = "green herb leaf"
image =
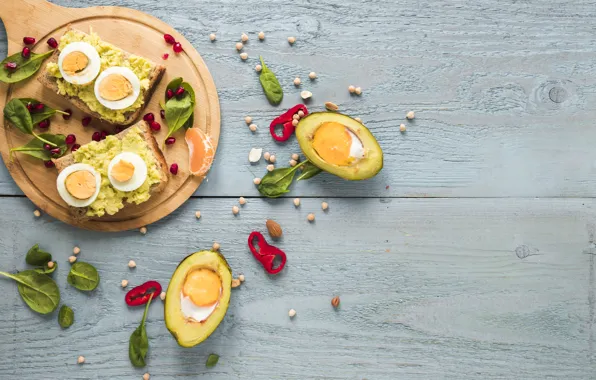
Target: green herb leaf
[
  {"x": 270, "y": 84},
  {"x": 212, "y": 360},
  {"x": 38, "y": 291},
  {"x": 46, "y": 269},
  {"x": 276, "y": 183},
  {"x": 26, "y": 67},
  {"x": 138, "y": 345},
  {"x": 65, "y": 317},
  {"x": 18, "y": 115},
  {"x": 178, "y": 112},
  {"x": 38, "y": 257},
  {"x": 173, "y": 85},
  {"x": 83, "y": 276},
  {"x": 191, "y": 120},
  {"x": 35, "y": 147},
  {"x": 309, "y": 170},
  {"x": 39, "y": 116}
]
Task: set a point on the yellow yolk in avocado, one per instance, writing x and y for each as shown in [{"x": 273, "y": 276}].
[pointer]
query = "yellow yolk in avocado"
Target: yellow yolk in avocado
[
  {"x": 75, "y": 62},
  {"x": 81, "y": 184},
  {"x": 332, "y": 142},
  {"x": 203, "y": 287},
  {"x": 115, "y": 87},
  {"x": 123, "y": 171}
]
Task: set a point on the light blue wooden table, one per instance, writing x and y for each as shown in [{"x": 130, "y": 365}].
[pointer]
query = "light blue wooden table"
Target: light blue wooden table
[{"x": 470, "y": 256}]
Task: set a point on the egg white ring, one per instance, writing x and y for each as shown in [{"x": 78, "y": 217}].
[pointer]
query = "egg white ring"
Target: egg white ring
[
  {"x": 139, "y": 176},
  {"x": 192, "y": 311},
  {"x": 66, "y": 196},
  {"x": 122, "y": 103},
  {"x": 90, "y": 72},
  {"x": 357, "y": 148}
]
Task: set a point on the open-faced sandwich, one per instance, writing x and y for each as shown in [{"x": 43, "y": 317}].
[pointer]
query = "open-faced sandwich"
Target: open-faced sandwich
[
  {"x": 99, "y": 177},
  {"x": 101, "y": 79}
]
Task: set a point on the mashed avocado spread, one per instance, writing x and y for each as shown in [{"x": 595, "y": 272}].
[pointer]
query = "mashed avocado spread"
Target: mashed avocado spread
[
  {"x": 99, "y": 154},
  {"x": 110, "y": 56}
]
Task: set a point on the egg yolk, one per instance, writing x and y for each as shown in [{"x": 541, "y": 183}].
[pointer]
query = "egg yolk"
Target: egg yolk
[
  {"x": 332, "y": 142},
  {"x": 75, "y": 62},
  {"x": 122, "y": 171},
  {"x": 115, "y": 87},
  {"x": 81, "y": 184},
  {"x": 203, "y": 287}
]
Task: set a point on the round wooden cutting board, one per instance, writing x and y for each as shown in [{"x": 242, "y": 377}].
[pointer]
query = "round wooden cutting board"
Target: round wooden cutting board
[{"x": 136, "y": 33}]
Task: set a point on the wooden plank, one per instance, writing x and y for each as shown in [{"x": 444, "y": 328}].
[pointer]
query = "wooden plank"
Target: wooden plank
[
  {"x": 504, "y": 91},
  {"x": 435, "y": 288}
]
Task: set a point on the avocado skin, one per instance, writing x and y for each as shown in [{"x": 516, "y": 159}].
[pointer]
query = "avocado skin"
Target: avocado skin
[
  {"x": 365, "y": 168},
  {"x": 187, "y": 333}
]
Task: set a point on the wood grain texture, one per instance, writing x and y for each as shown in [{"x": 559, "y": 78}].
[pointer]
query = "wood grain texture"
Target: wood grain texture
[
  {"x": 433, "y": 289},
  {"x": 481, "y": 77}
]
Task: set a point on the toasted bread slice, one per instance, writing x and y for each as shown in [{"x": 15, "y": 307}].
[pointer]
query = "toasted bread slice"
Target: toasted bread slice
[
  {"x": 65, "y": 161},
  {"x": 50, "y": 82}
]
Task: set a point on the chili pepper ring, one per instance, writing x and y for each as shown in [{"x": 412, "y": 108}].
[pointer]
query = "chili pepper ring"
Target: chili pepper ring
[
  {"x": 266, "y": 253},
  {"x": 141, "y": 294}
]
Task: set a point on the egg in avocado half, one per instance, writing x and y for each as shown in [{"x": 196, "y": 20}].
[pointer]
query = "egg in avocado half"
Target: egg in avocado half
[
  {"x": 339, "y": 145},
  {"x": 198, "y": 297}
]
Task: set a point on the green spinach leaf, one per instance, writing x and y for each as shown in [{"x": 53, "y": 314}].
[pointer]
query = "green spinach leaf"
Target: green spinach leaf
[
  {"x": 38, "y": 291},
  {"x": 65, "y": 317},
  {"x": 276, "y": 183},
  {"x": 212, "y": 360},
  {"x": 35, "y": 147},
  {"x": 270, "y": 84},
  {"x": 173, "y": 85},
  {"x": 179, "y": 110},
  {"x": 39, "y": 116},
  {"x": 46, "y": 269},
  {"x": 191, "y": 120},
  {"x": 83, "y": 276},
  {"x": 26, "y": 67},
  {"x": 38, "y": 257},
  {"x": 18, "y": 115},
  {"x": 309, "y": 170},
  {"x": 138, "y": 345}
]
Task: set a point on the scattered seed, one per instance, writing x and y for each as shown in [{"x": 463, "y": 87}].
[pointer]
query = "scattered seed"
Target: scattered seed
[
  {"x": 292, "y": 313},
  {"x": 37, "y": 213},
  {"x": 146, "y": 376},
  {"x": 198, "y": 214},
  {"x": 162, "y": 296},
  {"x": 248, "y": 119},
  {"x": 258, "y": 68},
  {"x": 352, "y": 89},
  {"x": 256, "y": 181},
  {"x": 270, "y": 168},
  {"x": 410, "y": 115},
  {"x": 295, "y": 156},
  {"x": 301, "y": 114},
  {"x": 306, "y": 94},
  {"x": 72, "y": 259},
  {"x": 235, "y": 210},
  {"x": 239, "y": 46},
  {"x": 312, "y": 75},
  {"x": 244, "y": 37},
  {"x": 267, "y": 156},
  {"x": 335, "y": 301},
  {"x": 242, "y": 201},
  {"x": 241, "y": 278},
  {"x": 81, "y": 360},
  {"x": 402, "y": 128},
  {"x": 261, "y": 36},
  {"x": 296, "y": 202},
  {"x": 50, "y": 264},
  {"x": 297, "y": 81},
  {"x": 331, "y": 106},
  {"x": 291, "y": 40},
  {"x": 358, "y": 91},
  {"x": 76, "y": 250},
  {"x": 272, "y": 158},
  {"x": 216, "y": 246},
  {"x": 311, "y": 217},
  {"x": 235, "y": 283},
  {"x": 244, "y": 56},
  {"x": 296, "y": 117},
  {"x": 132, "y": 264},
  {"x": 252, "y": 127},
  {"x": 324, "y": 206},
  {"x": 295, "y": 122},
  {"x": 254, "y": 155},
  {"x": 143, "y": 230},
  {"x": 293, "y": 163},
  {"x": 212, "y": 36},
  {"x": 124, "y": 283},
  {"x": 358, "y": 119}
]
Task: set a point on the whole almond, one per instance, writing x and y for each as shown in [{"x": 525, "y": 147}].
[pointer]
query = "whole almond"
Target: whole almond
[
  {"x": 331, "y": 106},
  {"x": 335, "y": 301},
  {"x": 274, "y": 229}
]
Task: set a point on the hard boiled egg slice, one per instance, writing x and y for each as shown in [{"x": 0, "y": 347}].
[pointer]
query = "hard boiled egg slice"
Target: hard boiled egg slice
[
  {"x": 337, "y": 145},
  {"x": 127, "y": 171},
  {"x": 200, "y": 294},
  {"x": 117, "y": 88},
  {"x": 78, "y": 185},
  {"x": 79, "y": 63}
]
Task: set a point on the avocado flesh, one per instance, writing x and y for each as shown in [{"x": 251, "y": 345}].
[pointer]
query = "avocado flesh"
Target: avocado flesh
[
  {"x": 187, "y": 332},
  {"x": 361, "y": 169}
]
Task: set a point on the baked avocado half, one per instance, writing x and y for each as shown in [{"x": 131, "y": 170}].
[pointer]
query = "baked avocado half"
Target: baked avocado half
[
  {"x": 198, "y": 297},
  {"x": 340, "y": 145}
]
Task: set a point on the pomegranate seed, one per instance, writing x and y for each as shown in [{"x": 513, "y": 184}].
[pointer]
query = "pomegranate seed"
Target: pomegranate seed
[
  {"x": 26, "y": 53},
  {"x": 11, "y": 66},
  {"x": 155, "y": 126},
  {"x": 169, "y": 39},
  {"x": 55, "y": 151},
  {"x": 149, "y": 117},
  {"x": 70, "y": 139},
  {"x": 174, "y": 169},
  {"x": 165, "y": 56},
  {"x": 67, "y": 115},
  {"x": 28, "y": 40},
  {"x": 96, "y": 136},
  {"x": 169, "y": 93},
  {"x": 170, "y": 140},
  {"x": 39, "y": 107},
  {"x": 179, "y": 91},
  {"x": 103, "y": 135},
  {"x": 49, "y": 164},
  {"x": 75, "y": 147},
  {"x": 29, "y": 107},
  {"x": 47, "y": 146},
  {"x": 44, "y": 124},
  {"x": 53, "y": 43},
  {"x": 178, "y": 47},
  {"x": 162, "y": 113},
  {"x": 86, "y": 121}
]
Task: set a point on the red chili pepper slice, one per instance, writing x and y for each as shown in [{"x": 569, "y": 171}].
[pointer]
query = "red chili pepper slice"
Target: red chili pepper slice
[
  {"x": 140, "y": 295},
  {"x": 266, "y": 253},
  {"x": 286, "y": 121}
]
